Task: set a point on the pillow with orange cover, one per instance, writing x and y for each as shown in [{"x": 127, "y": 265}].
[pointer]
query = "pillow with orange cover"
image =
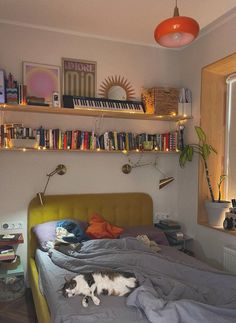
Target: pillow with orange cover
[{"x": 99, "y": 228}]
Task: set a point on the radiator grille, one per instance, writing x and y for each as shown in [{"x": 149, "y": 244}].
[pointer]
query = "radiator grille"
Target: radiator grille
[{"x": 230, "y": 259}]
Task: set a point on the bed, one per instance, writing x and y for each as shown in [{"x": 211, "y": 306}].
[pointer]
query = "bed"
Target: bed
[{"x": 173, "y": 287}]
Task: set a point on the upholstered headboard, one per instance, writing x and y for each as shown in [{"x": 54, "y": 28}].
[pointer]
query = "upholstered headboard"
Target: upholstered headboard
[{"x": 123, "y": 209}]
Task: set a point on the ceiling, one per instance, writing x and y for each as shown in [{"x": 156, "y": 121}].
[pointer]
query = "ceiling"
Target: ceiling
[{"x": 131, "y": 21}]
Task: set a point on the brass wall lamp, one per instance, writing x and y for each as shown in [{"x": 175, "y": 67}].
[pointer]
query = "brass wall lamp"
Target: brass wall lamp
[
  {"x": 127, "y": 168},
  {"x": 60, "y": 170}
]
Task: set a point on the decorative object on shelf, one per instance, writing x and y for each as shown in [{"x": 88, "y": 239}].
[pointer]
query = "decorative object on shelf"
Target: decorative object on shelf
[
  {"x": 181, "y": 137},
  {"x": 185, "y": 102},
  {"x": 2, "y": 87},
  {"x": 56, "y": 102},
  {"x": 204, "y": 150},
  {"x": 11, "y": 90},
  {"x": 60, "y": 170},
  {"x": 23, "y": 143},
  {"x": 127, "y": 168},
  {"x": 22, "y": 93},
  {"x": 79, "y": 77},
  {"x": 177, "y": 31},
  {"x": 116, "y": 88},
  {"x": 167, "y": 101},
  {"x": 41, "y": 80},
  {"x": 148, "y": 100}
]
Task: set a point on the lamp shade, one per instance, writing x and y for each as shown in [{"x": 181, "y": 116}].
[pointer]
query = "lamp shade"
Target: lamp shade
[
  {"x": 165, "y": 181},
  {"x": 176, "y": 32}
]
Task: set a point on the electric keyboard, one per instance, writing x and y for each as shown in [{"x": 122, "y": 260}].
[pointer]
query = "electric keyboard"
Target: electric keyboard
[{"x": 101, "y": 104}]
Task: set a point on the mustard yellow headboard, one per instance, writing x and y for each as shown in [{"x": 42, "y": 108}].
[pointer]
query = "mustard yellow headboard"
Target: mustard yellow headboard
[{"x": 123, "y": 209}]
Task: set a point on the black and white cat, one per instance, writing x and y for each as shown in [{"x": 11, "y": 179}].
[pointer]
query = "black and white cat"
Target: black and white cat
[{"x": 106, "y": 283}]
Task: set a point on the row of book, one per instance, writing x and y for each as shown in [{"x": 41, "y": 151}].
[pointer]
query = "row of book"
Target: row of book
[
  {"x": 7, "y": 253},
  {"x": 89, "y": 140}
]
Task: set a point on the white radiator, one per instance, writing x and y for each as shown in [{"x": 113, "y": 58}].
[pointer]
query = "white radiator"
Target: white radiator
[{"x": 230, "y": 259}]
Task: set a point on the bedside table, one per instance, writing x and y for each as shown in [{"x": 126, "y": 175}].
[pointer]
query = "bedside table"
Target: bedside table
[
  {"x": 183, "y": 244},
  {"x": 12, "y": 282}
]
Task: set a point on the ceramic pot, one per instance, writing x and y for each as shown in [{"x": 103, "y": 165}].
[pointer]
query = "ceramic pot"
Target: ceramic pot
[{"x": 216, "y": 212}]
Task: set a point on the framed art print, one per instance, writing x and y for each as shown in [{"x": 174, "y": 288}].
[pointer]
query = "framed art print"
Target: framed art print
[
  {"x": 41, "y": 80},
  {"x": 79, "y": 77}
]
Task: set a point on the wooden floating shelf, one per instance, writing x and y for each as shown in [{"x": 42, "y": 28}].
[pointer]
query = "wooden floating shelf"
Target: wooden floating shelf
[
  {"x": 90, "y": 151},
  {"x": 89, "y": 112}
]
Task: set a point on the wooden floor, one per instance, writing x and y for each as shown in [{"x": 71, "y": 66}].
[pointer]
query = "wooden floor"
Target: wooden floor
[{"x": 20, "y": 310}]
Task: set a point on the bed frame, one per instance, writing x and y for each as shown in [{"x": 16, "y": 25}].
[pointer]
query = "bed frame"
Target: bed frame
[{"x": 123, "y": 209}]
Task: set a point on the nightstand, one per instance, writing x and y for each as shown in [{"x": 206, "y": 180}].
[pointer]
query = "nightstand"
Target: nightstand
[
  {"x": 183, "y": 244},
  {"x": 12, "y": 285}
]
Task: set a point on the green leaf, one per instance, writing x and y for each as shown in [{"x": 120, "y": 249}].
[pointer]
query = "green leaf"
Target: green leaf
[
  {"x": 183, "y": 158},
  {"x": 213, "y": 149},
  {"x": 205, "y": 151},
  {"x": 189, "y": 153},
  {"x": 200, "y": 133},
  {"x": 222, "y": 178}
]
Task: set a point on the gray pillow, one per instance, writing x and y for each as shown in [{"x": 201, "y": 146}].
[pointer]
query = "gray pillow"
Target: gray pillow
[
  {"x": 152, "y": 232},
  {"x": 47, "y": 231}
]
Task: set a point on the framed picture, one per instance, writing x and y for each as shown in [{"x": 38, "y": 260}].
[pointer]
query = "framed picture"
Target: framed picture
[
  {"x": 41, "y": 81},
  {"x": 79, "y": 77}
]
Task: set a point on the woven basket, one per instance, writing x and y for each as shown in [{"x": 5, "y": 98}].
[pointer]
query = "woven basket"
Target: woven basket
[{"x": 162, "y": 101}]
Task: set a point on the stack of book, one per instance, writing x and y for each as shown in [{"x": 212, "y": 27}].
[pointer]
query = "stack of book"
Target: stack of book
[
  {"x": 7, "y": 253},
  {"x": 11, "y": 238},
  {"x": 168, "y": 225}
]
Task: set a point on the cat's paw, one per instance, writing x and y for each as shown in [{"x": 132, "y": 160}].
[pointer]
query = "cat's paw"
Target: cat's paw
[
  {"x": 85, "y": 302},
  {"x": 96, "y": 301}
]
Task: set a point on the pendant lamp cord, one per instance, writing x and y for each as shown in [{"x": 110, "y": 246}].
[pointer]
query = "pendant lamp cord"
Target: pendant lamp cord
[{"x": 176, "y": 10}]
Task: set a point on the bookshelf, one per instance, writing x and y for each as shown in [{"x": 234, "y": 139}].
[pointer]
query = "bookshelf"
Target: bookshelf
[
  {"x": 97, "y": 151},
  {"x": 86, "y": 113},
  {"x": 89, "y": 113}
]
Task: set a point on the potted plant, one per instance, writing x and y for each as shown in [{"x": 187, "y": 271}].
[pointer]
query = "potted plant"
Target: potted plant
[{"x": 215, "y": 207}]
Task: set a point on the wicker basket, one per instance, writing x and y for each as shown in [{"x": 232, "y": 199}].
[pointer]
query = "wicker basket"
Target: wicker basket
[{"x": 161, "y": 101}]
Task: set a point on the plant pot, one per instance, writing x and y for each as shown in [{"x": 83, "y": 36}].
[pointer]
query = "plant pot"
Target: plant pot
[{"x": 216, "y": 212}]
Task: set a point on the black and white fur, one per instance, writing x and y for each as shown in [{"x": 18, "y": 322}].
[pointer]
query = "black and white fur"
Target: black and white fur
[{"x": 106, "y": 283}]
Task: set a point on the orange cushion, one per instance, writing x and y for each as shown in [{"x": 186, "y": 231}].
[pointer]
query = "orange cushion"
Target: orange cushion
[{"x": 99, "y": 228}]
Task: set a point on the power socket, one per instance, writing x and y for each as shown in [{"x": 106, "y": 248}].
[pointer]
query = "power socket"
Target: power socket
[{"x": 12, "y": 225}]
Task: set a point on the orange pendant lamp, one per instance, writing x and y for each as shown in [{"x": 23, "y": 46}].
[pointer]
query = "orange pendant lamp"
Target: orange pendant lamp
[{"x": 177, "y": 31}]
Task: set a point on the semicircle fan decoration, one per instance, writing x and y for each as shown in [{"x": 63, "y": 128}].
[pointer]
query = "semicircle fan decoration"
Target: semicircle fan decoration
[{"x": 116, "y": 81}]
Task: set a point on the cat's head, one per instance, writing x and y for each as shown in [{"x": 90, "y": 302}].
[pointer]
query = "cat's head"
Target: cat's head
[{"x": 69, "y": 288}]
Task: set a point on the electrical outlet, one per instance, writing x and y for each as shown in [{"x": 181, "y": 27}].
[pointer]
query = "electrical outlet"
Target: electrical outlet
[
  {"x": 161, "y": 216},
  {"x": 12, "y": 225}
]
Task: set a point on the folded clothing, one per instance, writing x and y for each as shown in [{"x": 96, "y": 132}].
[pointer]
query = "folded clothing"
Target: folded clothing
[
  {"x": 99, "y": 228},
  {"x": 70, "y": 232}
]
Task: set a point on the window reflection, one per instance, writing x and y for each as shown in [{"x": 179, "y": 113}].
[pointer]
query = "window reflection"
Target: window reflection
[{"x": 230, "y": 136}]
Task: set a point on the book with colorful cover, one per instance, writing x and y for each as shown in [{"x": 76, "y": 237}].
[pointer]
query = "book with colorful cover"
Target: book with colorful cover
[{"x": 7, "y": 253}]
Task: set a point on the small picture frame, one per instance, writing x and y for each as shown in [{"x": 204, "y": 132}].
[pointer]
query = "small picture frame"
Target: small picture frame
[{"x": 42, "y": 81}]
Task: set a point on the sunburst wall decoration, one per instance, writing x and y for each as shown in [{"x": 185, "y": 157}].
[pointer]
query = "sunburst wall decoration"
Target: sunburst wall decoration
[{"x": 115, "y": 83}]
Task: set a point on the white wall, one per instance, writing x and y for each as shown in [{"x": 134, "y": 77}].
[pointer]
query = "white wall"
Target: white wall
[
  {"x": 207, "y": 49},
  {"x": 22, "y": 175}
]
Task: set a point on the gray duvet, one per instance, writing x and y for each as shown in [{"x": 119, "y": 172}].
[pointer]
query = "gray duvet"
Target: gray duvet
[{"x": 170, "y": 290}]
